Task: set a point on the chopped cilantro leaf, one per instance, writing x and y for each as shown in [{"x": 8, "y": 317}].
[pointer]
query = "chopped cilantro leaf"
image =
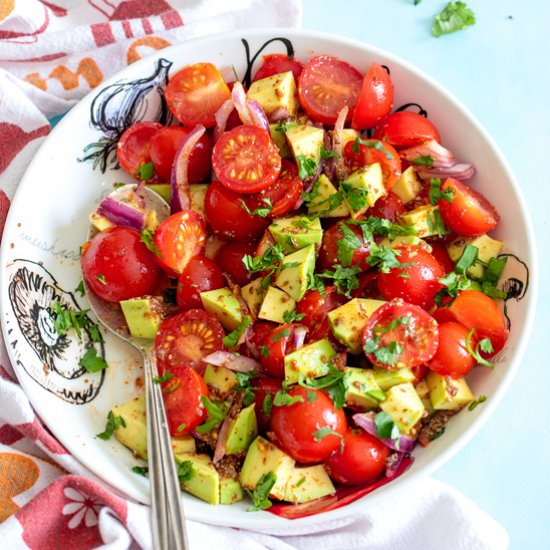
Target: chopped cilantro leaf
[
  {"x": 292, "y": 316},
  {"x": 232, "y": 339},
  {"x": 426, "y": 160},
  {"x": 347, "y": 244},
  {"x": 65, "y": 318},
  {"x": 388, "y": 355},
  {"x": 243, "y": 383},
  {"x": 283, "y": 399},
  {"x": 141, "y": 470},
  {"x": 323, "y": 432},
  {"x": 345, "y": 279},
  {"x": 279, "y": 335},
  {"x": 80, "y": 288},
  {"x": 164, "y": 378},
  {"x": 478, "y": 401},
  {"x": 467, "y": 259},
  {"x": 92, "y": 362},
  {"x": 101, "y": 278},
  {"x": 264, "y": 351},
  {"x": 308, "y": 197},
  {"x": 267, "y": 405},
  {"x": 372, "y": 143},
  {"x": 147, "y": 239},
  {"x": 261, "y": 212},
  {"x": 483, "y": 345},
  {"x": 184, "y": 470},
  {"x": 386, "y": 428},
  {"x": 436, "y": 194},
  {"x": 181, "y": 427},
  {"x": 436, "y": 225},
  {"x": 333, "y": 382},
  {"x": 328, "y": 153},
  {"x": 269, "y": 260},
  {"x": 281, "y": 127},
  {"x": 261, "y": 492},
  {"x": 306, "y": 166},
  {"x": 355, "y": 196},
  {"x": 214, "y": 418},
  {"x": 113, "y": 422},
  {"x": 455, "y": 16},
  {"x": 146, "y": 171},
  {"x": 311, "y": 396},
  {"x": 494, "y": 270}
]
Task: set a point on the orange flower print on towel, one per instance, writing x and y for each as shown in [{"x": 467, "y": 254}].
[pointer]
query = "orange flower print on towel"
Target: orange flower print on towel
[
  {"x": 87, "y": 69},
  {"x": 154, "y": 42},
  {"x": 6, "y": 7},
  {"x": 17, "y": 475}
]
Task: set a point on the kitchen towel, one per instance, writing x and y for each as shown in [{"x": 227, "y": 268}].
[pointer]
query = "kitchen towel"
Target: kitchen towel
[{"x": 52, "y": 54}]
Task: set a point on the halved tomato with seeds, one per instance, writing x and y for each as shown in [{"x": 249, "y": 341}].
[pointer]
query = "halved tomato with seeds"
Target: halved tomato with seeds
[
  {"x": 178, "y": 238},
  {"x": 246, "y": 160},
  {"x": 186, "y": 338},
  {"x": 133, "y": 148}
]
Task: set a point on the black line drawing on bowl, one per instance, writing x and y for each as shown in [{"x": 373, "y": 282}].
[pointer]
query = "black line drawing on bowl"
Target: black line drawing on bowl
[
  {"x": 515, "y": 287},
  {"x": 50, "y": 359},
  {"x": 406, "y": 107},
  {"x": 122, "y": 104}
]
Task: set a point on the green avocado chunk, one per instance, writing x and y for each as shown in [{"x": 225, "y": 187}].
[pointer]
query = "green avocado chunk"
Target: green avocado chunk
[
  {"x": 404, "y": 405},
  {"x": 363, "y": 188},
  {"x": 322, "y": 192},
  {"x": 447, "y": 393},
  {"x": 296, "y": 232},
  {"x": 221, "y": 378},
  {"x": 143, "y": 315},
  {"x": 275, "y": 304},
  {"x": 305, "y": 142},
  {"x": 242, "y": 432},
  {"x": 362, "y": 391},
  {"x": 307, "y": 483},
  {"x": 388, "y": 378},
  {"x": 230, "y": 491},
  {"x": 309, "y": 361},
  {"x": 224, "y": 306},
  {"x": 204, "y": 482},
  {"x": 295, "y": 272}
]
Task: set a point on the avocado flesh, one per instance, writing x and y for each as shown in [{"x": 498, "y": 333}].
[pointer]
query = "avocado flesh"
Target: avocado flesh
[
  {"x": 204, "y": 482},
  {"x": 275, "y": 304},
  {"x": 370, "y": 182},
  {"x": 388, "y": 378},
  {"x": 305, "y": 142},
  {"x": 243, "y": 430},
  {"x": 408, "y": 185},
  {"x": 487, "y": 248},
  {"x": 322, "y": 191},
  {"x": 405, "y": 407},
  {"x": 296, "y": 232},
  {"x": 253, "y": 294},
  {"x": 447, "y": 393},
  {"x": 306, "y": 483},
  {"x": 197, "y": 196},
  {"x": 230, "y": 491},
  {"x": 143, "y": 316},
  {"x": 422, "y": 220},
  {"x": 221, "y": 378},
  {"x": 295, "y": 272},
  {"x": 277, "y": 131},
  {"x": 311, "y": 361},
  {"x": 362, "y": 391},
  {"x": 161, "y": 189},
  {"x": 224, "y": 306},
  {"x": 275, "y": 92}
]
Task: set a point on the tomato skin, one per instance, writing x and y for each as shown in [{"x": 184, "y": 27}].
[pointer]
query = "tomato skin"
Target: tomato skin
[
  {"x": 182, "y": 399},
  {"x": 195, "y": 93},
  {"x": 452, "y": 358},
  {"x": 328, "y": 253},
  {"x": 326, "y": 85},
  {"x": 294, "y": 426},
  {"x": 256, "y": 339},
  {"x": 180, "y": 237},
  {"x": 186, "y": 338},
  {"x": 279, "y": 342},
  {"x": 283, "y": 194},
  {"x": 264, "y": 385},
  {"x": 389, "y": 206},
  {"x": 132, "y": 149},
  {"x": 406, "y": 129},
  {"x": 476, "y": 311},
  {"x": 246, "y": 160},
  {"x": 387, "y": 156},
  {"x": 117, "y": 265},
  {"x": 276, "y": 63},
  {"x": 422, "y": 283},
  {"x": 199, "y": 275},
  {"x": 418, "y": 338},
  {"x": 362, "y": 460},
  {"x": 227, "y": 217},
  {"x": 440, "y": 253},
  {"x": 166, "y": 142},
  {"x": 375, "y": 99},
  {"x": 229, "y": 259},
  {"x": 469, "y": 213}
]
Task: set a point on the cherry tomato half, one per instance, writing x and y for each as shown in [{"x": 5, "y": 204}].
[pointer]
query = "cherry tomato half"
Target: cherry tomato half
[
  {"x": 476, "y": 310},
  {"x": 363, "y": 459},
  {"x": 310, "y": 429},
  {"x": 186, "y": 338},
  {"x": 388, "y": 207},
  {"x": 375, "y": 99},
  {"x": 418, "y": 282},
  {"x": 276, "y": 63},
  {"x": 277, "y": 344},
  {"x": 230, "y": 260},
  {"x": 452, "y": 358},
  {"x": 117, "y": 265},
  {"x": 246, "y": 160},
  {"x": 199, "y": 275},
  {"x": 264, "y": 386},
  {"x": 469, "y": 213},
  {"x": 406, "y": 129},
  {"x": 225, "y": 213},
  {"x": 369, "y": 151},
  {"x": 326, "y": 85},
  {"x": 178, "y": 238},
  {"x": 195, "y": 93},
  {"x": 182, "y": 396},
  {"x": 132, "y": 149},
  {"x": 440, "y": 253},
  {"x": 400, "y": 335},
  {"x": 166, "y": 142}
]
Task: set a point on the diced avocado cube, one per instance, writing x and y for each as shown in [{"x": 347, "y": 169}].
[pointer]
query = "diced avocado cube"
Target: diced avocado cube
[
  {"x": 309, "y": 361},
  {"x": 101, "y": 223},
  {"x": 161, "y": 189},
  {"x": 295, "y": 272},
  {"x": 243, "y": 430},
  {"x": 487, "y": 248},
  {"x": 253, "y": 294},
  {"x": 134, "y": 434},
  {"x": 320, "y": 203},
  {"x": 296, "y": 232},
  {"x": 230, "y": 491},
  {"x": 224, "y": 306},
  {"x": 143, "y": 315},
  {"x": 276, "y": 303},
  {"x": 307, "y": 483},
  {"x": 348, "y": 322},
  {"x": 404, "y": 405},
  {"x": 277, "y": 131},
  {"x": 305, "y": 141},
  {"x": 219, "y": 377},
  {"x": 363, "y": 188},
  {"x": 424, "y": 393},
  {"x": 447, "y": 393},
  {"x": 408, "y": 185},
  {"x": 275, "y": 92},
  {"x": 197, "y": 194},
  {"x": 423, "y": 220},
  {"x": 204, "y": 482},
  {"x": 362, "y": 391},
  {"x": 388, "y": 378},
  {"x": 264, "y": 457}
]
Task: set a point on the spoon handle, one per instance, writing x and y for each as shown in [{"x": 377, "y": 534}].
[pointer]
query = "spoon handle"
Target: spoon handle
[{"x": 168, "y": 521}]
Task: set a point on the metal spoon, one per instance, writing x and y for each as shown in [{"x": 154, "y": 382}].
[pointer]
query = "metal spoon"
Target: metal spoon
[{"x": 167, "y": 515}]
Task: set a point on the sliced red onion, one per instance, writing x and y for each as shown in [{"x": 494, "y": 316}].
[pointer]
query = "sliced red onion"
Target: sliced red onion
[
  {"x": 257, "y": 114},
  {"x": 339, "y": 165},
  {"x": 328, "y": 166},
  {"x": 222, "y": 116},
  {"x": 460, "y": 171},
  {"x": 122, "y": 213},
  {"x": 366, "y": 421},
  {"x": 225, "y": 428},
  {"x": 393, "y": 462},
  {"x": 179, "y": 181},
  {"x": 238, "y": 95},
  {"x": 299, "y": 336},
  {"x": 279, "y": 114},
  {"x": 232, "y": 361},
  {"x": 139, "y": 195},
  {"x": 442, "y": 158}
]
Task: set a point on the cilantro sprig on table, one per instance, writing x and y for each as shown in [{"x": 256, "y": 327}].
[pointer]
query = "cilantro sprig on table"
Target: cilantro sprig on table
[{"x": 455, "y": 16}]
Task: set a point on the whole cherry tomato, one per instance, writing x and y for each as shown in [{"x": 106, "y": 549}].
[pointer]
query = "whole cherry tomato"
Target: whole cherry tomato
[{"x": 199, "y": 275}]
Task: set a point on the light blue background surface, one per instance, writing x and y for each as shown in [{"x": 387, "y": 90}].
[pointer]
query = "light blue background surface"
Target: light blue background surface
[{"x": 499, "y": 68}]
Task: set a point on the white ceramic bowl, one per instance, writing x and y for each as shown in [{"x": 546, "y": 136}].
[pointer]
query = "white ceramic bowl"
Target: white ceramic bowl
[{"x": 48, "y": 222}]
